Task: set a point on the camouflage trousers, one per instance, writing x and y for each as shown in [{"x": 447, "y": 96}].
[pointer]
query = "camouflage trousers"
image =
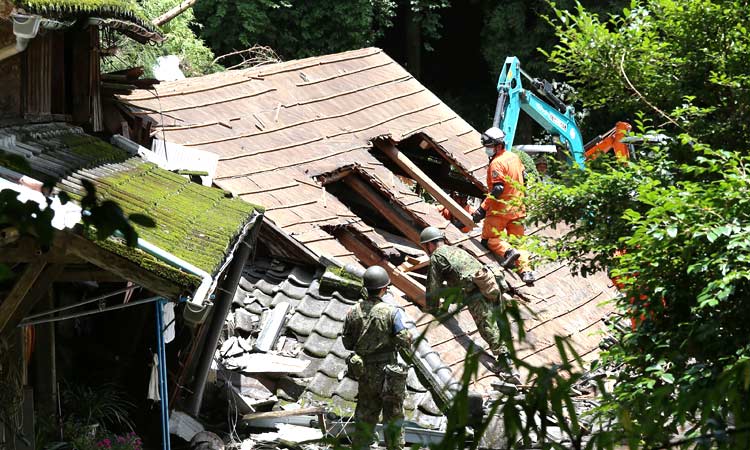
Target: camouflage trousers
[
  {"x": 483, "y": 315},
  {"x": 482, "y": 305},
  {"x": 374, "y": 396}
]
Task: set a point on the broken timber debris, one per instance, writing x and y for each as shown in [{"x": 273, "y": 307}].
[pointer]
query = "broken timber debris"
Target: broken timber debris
[
  {"x": 271, "y": 328},
  {"x": 266, "y": 363}
]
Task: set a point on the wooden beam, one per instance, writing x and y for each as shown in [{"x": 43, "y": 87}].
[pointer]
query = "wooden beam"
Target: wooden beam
[
  {"x": 13, "y": 301},
  {"x": 386, "y": 209},
  {"x": 37, "y": 292},
  {"x": 283, "y": 413},
  {"x": 88, "y": 273},
  {"x": 452, "y": 161},
  {"x": 414, "y": 291},
  {"x": 27, "y": 250},
  {"x": 122, "y": 267},
  {"x": 427, "y": 184},
  {"x": 410, "y": 266}
]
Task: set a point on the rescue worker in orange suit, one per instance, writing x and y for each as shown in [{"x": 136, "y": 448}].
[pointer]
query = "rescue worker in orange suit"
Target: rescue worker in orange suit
[
  {"x": 463, "y": 201},
  {"x": 503, "y": 208}
]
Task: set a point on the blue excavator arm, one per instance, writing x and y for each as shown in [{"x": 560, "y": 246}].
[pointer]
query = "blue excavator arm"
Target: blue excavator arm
[{"x": 558, "y": 120}]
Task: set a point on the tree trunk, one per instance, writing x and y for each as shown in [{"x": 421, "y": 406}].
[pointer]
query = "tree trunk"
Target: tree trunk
[{"x": 413, "y": 43}]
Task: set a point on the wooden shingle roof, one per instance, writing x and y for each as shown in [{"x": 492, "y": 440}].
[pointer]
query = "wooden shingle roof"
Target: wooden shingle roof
[{"x": 277, "y": 127}]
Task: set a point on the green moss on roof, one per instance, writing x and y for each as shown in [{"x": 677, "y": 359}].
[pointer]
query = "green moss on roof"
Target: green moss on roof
[
  {"x": 118, "y": 9},
  {"x": 338, "y": 279},
  {"x": 193, "y": 222},
  {"x": 147, "y": 261},
  {"x": 94, "y": 150}
]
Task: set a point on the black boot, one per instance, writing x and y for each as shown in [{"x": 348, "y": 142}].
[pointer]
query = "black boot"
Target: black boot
[{"x": 511, "y": 256}]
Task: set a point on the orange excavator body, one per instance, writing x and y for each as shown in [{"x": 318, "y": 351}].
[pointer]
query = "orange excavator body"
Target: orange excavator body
[{"x": 611, "y": 140}]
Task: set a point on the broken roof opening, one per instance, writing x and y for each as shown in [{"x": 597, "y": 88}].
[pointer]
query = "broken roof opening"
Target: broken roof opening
[
  {"x": 368, "y": 201},
  {"x": 426, "y": 155}
]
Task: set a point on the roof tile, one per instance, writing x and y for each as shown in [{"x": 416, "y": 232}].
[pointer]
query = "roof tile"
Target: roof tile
[
  {"x": 312, "y": 307},
  {"x": 313, "y": 367},
  {"x": 328, "y": 327},
  {"x": 318, "y": 345},
  {"x": 263, "y": 298},
  {"x": 267, "y": 287},
  {"x": 337, "y": 310},
  {"x": 292, "y": 291},
  {"x": 347, "y": 389},
  {"x": 339, "y": 350},
  {"x": 322, "y": 385},
  {"x": 301, "y": 277},
  {"x": 302, "y": 325},
  {"x": 332, "y": 365}
]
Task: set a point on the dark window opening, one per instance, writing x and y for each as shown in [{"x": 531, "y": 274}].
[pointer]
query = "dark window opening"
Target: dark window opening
[
  {"x": 441, "y": 171},
  {"x": 376, "y": 210},
  {"x": 363, "y": 209}
]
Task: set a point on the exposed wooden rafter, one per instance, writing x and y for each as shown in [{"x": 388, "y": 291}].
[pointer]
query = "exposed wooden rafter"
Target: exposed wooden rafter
[
  {"x": 32, "y": 285},
  {"x": 386, "y": 209},
  {"x": 430, "y": 186},
  {"x": 413, "y": 290}
]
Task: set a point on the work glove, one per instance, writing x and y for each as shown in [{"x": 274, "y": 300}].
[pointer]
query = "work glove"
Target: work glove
[
  {"x": 497, "y": 190},
  {"x": 478, "y": 214}
]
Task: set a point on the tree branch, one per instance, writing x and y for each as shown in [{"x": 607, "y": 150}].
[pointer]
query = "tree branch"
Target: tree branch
[
  {"x": 172, "y": 13},
  {"x": 642, "y": 97},
  {"x": 711, "y": 435}
]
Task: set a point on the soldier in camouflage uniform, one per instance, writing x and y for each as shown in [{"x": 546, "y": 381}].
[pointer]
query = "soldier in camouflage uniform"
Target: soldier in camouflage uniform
[
  {"x": 375, "y": 330},
  {"x": 461, "y": 271}
]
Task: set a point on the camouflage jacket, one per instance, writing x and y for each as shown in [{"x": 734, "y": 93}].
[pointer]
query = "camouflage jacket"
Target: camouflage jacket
[
  {"x": 375, "y": 330},
  {"x": 452, "y": 265}
]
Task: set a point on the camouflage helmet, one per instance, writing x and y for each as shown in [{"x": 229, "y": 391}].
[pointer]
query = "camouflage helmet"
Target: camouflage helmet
[
  {"x": 430, "y": 234},
  {"x": 375, "y": 277}
]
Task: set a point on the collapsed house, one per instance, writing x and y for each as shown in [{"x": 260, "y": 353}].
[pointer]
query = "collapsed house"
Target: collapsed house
[
  {"x": 334, "y": 147},
  {"x": 78, "y": 307}
]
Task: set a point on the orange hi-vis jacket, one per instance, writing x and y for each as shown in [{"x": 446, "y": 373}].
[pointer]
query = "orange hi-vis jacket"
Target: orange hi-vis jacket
[{"x": 506, "y": 167}]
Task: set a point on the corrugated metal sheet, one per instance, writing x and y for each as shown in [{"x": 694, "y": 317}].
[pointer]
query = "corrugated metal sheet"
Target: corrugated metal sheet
[{"x": 277, "y": 127}]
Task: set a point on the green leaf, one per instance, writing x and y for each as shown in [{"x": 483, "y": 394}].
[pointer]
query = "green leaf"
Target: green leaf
[
  {"x": 667, "y": 378},
  {"x": 672, "y": 232}
]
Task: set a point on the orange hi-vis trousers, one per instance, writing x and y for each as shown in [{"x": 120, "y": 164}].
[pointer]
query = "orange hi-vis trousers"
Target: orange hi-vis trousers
[{"x": 499, "y": 246}]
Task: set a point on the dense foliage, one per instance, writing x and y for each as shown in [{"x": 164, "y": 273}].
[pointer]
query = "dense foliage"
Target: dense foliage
[
  {"x": 195, "y": 57},
  {"x": 293, "y": 29},
  {"x": 684, "y": 62},
  {"x": 673, "y": 226}
]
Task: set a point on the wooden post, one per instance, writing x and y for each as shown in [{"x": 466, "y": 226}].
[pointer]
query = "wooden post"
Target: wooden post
[
  {"x": 414, "y": 291},
  {"x": 387, "y": 210},
  {"x": 415, "y": 172},
  {"x": 46, "y": 369}
]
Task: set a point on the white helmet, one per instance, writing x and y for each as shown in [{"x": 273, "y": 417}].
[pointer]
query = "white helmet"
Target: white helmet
[{"x": 493, "y": 137}]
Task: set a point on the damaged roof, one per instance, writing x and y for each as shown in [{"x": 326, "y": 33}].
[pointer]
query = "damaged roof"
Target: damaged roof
[
  {"x": 126, "y": 16},
  {"x": 277, "y": 127},
  {"x": 196, "y": 223},
  {"x": 284, "y": 132},
  {"x": 312, "y": 333}
]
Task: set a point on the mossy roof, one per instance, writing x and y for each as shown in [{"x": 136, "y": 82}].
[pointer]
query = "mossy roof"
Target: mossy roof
[
  {"x": 127, "y": 10},
  {"x": 196, "y": 223}
]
